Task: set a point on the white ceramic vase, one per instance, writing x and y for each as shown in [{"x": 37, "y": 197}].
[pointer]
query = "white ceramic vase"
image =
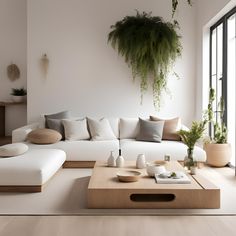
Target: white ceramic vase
[
  {"x": 141, "y": 161},
  {"x": 111, "y": 162}
]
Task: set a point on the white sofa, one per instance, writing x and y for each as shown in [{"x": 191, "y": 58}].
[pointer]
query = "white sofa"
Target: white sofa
[{"x": 126, "y": 130}]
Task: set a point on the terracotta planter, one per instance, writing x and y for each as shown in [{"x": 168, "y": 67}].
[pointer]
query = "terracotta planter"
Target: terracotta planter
[{"x": 218, "y": 155}]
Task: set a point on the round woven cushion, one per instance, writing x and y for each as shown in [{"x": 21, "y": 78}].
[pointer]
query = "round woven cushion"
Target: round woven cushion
[
  {"x": 44, "y": 136},
  {"x": 13, "y": 149}
]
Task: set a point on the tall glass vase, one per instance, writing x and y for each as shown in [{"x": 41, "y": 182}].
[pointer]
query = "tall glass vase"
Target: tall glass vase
[{"x": 188, "y": 160}]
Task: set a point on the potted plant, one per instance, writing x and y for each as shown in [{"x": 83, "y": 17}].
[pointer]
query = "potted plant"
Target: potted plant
[
  {"x": 19, "y": 95},
  {"x": 217, "y": 148},
  {"x": 190, "y": 137},
  {"x": 150, "y": 46}
]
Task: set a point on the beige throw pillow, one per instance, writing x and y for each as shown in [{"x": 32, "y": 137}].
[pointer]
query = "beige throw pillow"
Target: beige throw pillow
[
  {"x": 44, "y": 136},
  {"x": 76, "y": 129},
  {"x": 100, "y": 129},
  {"x": 171, "y": 127}
]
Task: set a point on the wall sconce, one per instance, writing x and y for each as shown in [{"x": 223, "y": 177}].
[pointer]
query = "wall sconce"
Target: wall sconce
[{"x": 45, "y": 64}]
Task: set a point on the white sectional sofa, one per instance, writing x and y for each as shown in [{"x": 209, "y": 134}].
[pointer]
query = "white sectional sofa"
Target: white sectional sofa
[{"x": 126, "y": 130}]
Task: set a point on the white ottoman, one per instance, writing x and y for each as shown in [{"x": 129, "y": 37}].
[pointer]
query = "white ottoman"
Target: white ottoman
[{"x": 30, "y": 171}]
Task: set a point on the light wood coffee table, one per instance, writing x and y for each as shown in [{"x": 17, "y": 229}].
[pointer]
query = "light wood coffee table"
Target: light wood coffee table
[{"x": 105, "y": 190}]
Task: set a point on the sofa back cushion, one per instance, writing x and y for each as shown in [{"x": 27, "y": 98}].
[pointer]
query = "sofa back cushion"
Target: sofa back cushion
[
  {"x": 129, "y": 128},
  {"x": 76, "y": 129},
  {"x": 58, "y": 116},
  {"x": 114, "y": 123},
  {"x": 100, "y": 129},
  {"x": 171, "y": 127},
  {"x": 150, "y": 131}
]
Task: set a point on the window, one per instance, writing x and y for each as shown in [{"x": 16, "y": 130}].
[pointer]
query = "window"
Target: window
[{"x": 223, "y": 71}]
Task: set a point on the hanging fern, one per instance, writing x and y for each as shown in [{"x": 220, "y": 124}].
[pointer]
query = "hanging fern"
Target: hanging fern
[
  {"x": 175, "y": 5},
  {"x": 150, "y": 46}
]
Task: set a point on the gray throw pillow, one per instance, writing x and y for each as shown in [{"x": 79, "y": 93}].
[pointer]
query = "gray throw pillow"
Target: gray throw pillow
[
  {"x": 59, "y": 116},
  {"x": 150, "y": 131},
  {"x": 57, "y": 125},
  {"x": 54, "y": 121}
]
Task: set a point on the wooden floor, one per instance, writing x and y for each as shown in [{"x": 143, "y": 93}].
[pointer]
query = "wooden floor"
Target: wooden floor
[{"x": 117, "y": 225}]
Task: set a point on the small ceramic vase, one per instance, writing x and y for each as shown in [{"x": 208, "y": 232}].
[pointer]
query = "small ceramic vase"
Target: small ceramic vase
[
  {"x": 141, "y": 161},
  {"x": 120, "y": 160},
  {"x": 111, "y": 162}
]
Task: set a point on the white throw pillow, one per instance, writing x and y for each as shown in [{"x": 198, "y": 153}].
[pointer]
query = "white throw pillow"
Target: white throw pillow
[
  {"x": 76, "y": 129},
  {"x": 100, "y": 129},
  {"x": 129, "y": 128},
  {"x": 13, "y": 149}
]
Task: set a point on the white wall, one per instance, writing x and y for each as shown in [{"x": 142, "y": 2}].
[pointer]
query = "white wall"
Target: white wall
[
  {"x": 86, "y": 75},
  {"x": 208, "y": 12},
  {"x": 13, "y": 26}
]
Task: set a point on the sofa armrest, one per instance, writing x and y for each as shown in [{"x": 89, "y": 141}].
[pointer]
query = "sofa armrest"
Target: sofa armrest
[{"x": 20, "y": 134}]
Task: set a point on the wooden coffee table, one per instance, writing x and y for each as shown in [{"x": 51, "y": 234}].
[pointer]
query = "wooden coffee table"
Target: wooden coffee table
[{"x": 105, "y": 190}]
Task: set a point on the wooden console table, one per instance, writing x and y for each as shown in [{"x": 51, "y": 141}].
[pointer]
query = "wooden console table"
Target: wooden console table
[{"x": 3, "y": 106}]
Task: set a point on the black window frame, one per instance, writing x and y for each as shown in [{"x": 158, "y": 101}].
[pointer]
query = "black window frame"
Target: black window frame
[{"x": 222, "y": 21}]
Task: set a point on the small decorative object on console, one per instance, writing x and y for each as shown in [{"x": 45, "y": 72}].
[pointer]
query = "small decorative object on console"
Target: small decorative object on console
[
  {"x": 153, "y": 169},
  {"x": 141, "y": 161},
  {"x": 168, "y": 177},
  {"x": 167, "y": 157},
  {"x": 18, "y": 95},
  {"x": 190, "y": 137},
  {"x": 128, "y": 175},
  {"x": 111, "y": 162},
  {"x": 120, "y": 160}
]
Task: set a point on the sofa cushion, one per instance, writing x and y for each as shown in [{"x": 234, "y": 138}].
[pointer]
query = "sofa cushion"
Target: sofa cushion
[
  {"x": 129, "y": 128},
  {"x": 84, "y": 150},
  {"x": 33, "y": 168},
  {"x": 44, "y": 136},
  {"x": 156, "y": 151},
  {"x": 76, "y": 129},
  {"x": 171, "y": 127},
  {"x": 114, "y": 122},
  {"x": 13, "y": 149},
  {"x": 100, "y": 129},
  {"x": 58, "y": 116},
  {"x": 57, "y": 125},
  {"x": 150, "y": 131}
]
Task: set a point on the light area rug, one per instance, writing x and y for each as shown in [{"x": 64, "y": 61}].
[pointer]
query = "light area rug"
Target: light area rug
[{"x": 65, "y": 194}]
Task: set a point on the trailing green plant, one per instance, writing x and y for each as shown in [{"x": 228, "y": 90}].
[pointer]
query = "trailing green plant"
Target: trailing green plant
[
  {"x": 218, "y": 128},
  {"x": 150, "y": 46},
  {"x": 18, "y": 92},
  {"x": 175, "y": 5}
]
